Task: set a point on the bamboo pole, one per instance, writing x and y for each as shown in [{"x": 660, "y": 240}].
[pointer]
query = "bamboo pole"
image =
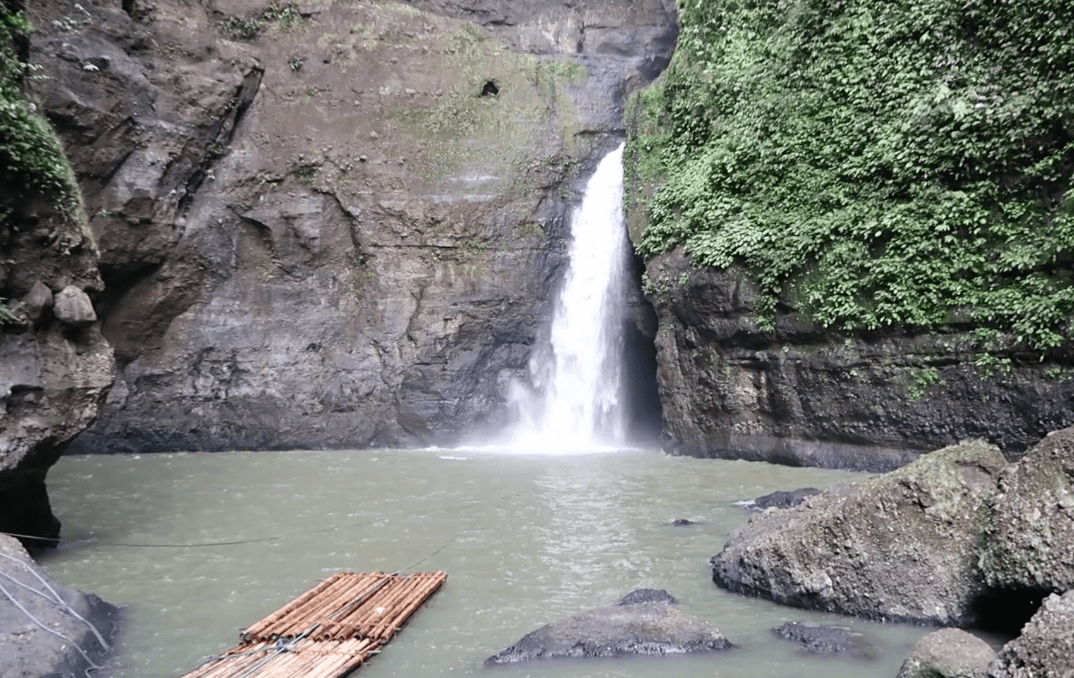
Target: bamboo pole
[{"x": 257, "y": 627}]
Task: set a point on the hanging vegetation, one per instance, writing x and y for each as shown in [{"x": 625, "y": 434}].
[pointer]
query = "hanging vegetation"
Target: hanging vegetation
[{"x": 874, "y": 164}]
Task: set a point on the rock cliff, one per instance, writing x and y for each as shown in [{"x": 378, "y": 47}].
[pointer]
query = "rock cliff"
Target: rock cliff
[
  {"x": 330, "y": 224},
  {"x": 55, "y": 367},
  {"x": 806, "y": 396}
]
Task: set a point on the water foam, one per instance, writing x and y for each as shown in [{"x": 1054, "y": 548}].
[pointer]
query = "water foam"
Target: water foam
[{"x": 575, "y": 402}]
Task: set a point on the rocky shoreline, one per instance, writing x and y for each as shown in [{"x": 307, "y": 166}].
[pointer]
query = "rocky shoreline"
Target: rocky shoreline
[
  {"x": 47, "y": 629},
  {"x": 958, "y": 538}
]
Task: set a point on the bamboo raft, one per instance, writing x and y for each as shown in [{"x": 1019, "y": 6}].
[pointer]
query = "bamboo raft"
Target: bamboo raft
[{"x": 327, "y": 632}]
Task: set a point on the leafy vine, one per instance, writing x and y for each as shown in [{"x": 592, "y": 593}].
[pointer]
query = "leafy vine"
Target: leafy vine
[{"x": 873, "y": 164}]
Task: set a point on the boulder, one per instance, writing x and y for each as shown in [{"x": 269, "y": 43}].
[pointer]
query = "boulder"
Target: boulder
[
  {"x": 898, "y": 547},
  {"x": 73, "y": 307},
  {"x": 37, "y": 301},
  {"x": 948, "y": 653},
  {"x": 1046, "y": 647},
  {"x": 47, "y": 629},
  {"x": 1030, "y": 542},
  {"x": 644, "y": 622}
]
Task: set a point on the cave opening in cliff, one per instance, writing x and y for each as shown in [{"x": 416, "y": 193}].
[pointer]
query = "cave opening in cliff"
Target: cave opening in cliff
[
  {"x": 644, "y": 412},
  {"x": 1006, "y": 611},
  {"x": 490, "y": 89}
]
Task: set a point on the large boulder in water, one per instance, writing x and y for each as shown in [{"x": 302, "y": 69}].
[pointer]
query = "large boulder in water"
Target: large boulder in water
[
  {"x": 644, "y": 622},
  {"x": 948, "y": 653},
  {"x": 899, "y": 547},
  {"x": 1030, "y": 543},
  {"x": 47, "y": 629},
  {"x": 1046, "y": 647}
]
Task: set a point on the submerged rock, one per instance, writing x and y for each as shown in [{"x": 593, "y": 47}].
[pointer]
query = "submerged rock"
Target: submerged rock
[
  {"x": 948, "y": 653},
  {"x": 644, "y": 622},
  {"x": 782, "y": 499},
  {"x": 1046, "y": 647},
  {"x": 814, "y": 637},
  {"x": 822, "y": 639},
  {"x": 638, "y": 596},
  {"x": 899, "y": 547},
  {"x": 80, "y": 626}
]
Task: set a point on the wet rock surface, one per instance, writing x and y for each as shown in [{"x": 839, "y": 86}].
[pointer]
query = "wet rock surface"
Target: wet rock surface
[
  {"x": 805, "y": 396},
  {"x": 30, "y": 600},
  {"x": 644, "y": 622},
  {"x": 1045, "y": 647},
  {"x": 782, "y": 499},
  {"x": 639, "y": 596},
  {"x": 816, "y": 638},
  {"x": 323, "y": 229},
  {"x": 1030, "y": 542},
  {"x": 899, "y": 547},
  {"x": 948, "y": 653}
]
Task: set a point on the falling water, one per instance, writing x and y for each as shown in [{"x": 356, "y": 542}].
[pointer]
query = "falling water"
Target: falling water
[{"x": 576, "y": 380}]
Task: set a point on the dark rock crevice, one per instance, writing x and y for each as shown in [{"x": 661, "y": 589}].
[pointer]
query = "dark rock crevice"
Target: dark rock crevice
[
  {"x": 644, "y": 412},
  {"x": 1006, "y": 611}
]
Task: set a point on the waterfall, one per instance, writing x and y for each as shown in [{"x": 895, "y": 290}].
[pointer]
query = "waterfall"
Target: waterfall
[{"x": 576, "y": 401}]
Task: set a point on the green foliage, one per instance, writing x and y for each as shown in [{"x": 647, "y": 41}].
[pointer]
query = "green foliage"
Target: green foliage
[
  {"x": 921, "y": 379},
  {"x": 306, "y": 176},
  {"x": 32, "y": 161},
  {"x": 6, "y": 314},
  {"x": 1055, "y": 373},
  {"x": 248, "y": 29},
  {"x": 874, "y": 163},
  {"x": 286, "y": 15}
]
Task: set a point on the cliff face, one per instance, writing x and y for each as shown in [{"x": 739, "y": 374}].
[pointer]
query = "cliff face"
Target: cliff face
[
  {"x": 55, "y": 367},
  {"x": 808, "y": 397},
  {"x": 331, "y": 224}
]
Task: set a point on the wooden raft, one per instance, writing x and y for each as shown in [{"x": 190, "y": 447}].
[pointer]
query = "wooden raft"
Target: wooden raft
[{"x": 328, "y": 631}]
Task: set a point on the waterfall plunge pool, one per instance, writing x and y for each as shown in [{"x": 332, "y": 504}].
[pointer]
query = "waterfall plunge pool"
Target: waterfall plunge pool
[{"x": 525, "y": 538}]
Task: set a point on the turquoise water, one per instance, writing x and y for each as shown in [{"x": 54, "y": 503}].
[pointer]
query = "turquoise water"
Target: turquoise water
[{"x": 197, "y": 546}]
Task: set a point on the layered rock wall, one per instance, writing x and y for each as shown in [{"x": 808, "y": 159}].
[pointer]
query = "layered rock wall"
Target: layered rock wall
[
  {"x": 331, "y": 224},
  {"x": 805, "y": 396}
]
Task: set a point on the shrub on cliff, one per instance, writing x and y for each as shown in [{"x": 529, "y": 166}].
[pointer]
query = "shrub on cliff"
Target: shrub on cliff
[
  {"x": 32, "y": 161},
  {"x": 878, "y": 164}
]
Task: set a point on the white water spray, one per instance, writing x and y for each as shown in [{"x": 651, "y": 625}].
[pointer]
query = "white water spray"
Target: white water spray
[{"x": 577, "y": 398}]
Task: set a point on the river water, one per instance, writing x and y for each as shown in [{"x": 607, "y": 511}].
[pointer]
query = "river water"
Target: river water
[{"x": 197, "y": 546}]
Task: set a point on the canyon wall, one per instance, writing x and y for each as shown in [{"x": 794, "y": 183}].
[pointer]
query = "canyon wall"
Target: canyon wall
[
  {"x": 806, "y": 396},
  {"x": 55, "y": 367},
  {"x": 858, "y": 253},
  {"x": 330, "y": 224}
]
